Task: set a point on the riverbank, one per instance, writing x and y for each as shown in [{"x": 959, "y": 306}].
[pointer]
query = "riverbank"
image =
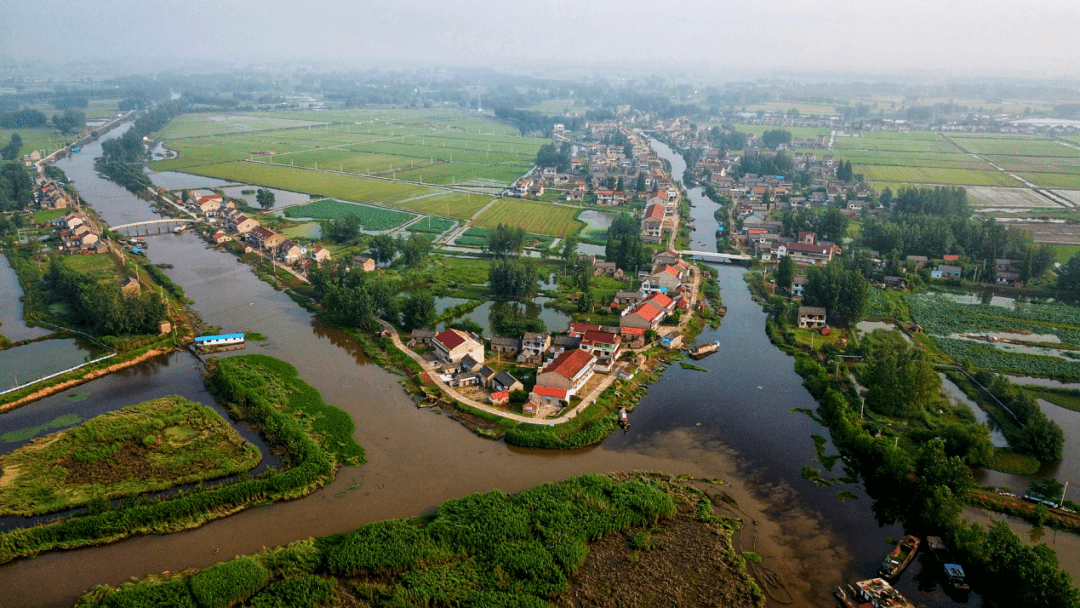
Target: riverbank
[{"x": 580, "y": 542}]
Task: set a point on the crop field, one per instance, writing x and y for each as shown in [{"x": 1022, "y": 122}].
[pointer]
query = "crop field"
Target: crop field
[
  {"x": 41, "y": 138},
  {"x": 147, "y": 447},
  {"x": 803, "y": 132},
  {"x": 876, "y": 142},
  {"x": 555, "y": 107},
  {"x": 199, "y": 125},
  {"x": 930, "y": 175},
  {"x": 1036, "y": 164},
  {"x": 1071, "y": 195},
  {"x": 809, "y": 109},
  {"x": 532, "y": 216},
  {"x": 1014, "y": 146},
  {"x": 943, "y": 318},
  {"x": 432, "y": 225},
  {"x": 913, "y": 159},
  {"x": 372, "y": 218},
  {"x": 1022, "y": 198},
  {"x": 1064, "y": 181}
]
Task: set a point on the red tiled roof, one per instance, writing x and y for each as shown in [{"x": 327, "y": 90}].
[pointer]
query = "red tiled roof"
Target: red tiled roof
[
  {"x": 672, "y": 271},
  {"x": 654, "y": 212},
  {"x": 808, "y": 248},
  {"x": 451, "y": 339},
  {"x": 580, "y": 328},
  {"x": 633, "y": 331},
  {"x": 600, "y": 337},
  {"x": 950, "y": 258},
  {"x": 500, "y": 395},
  {"x": 660, "y": 299},
  {"x": 646, "y": 310},
  {"x": 550, "y": 391},
  {"x": 569, "y": 363}
]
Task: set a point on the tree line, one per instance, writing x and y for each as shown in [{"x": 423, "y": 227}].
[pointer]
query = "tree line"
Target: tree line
[{"x": 97, "y": 303}]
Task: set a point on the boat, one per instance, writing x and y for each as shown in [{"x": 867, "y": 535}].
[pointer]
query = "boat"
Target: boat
[
  {"x": 219, "y": 342},
  {"x": 704, "y": 350},
  {"x": 722, "y": 311},
  {"x": 955, "y": 578},
  {"x": 900, "y": 557},
  {"x": 871, "y": 592}
]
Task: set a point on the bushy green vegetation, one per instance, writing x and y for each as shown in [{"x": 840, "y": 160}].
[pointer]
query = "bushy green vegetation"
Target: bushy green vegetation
[
  {"x": 488, "y": 549},
  {"x": 432, "y": 225},
  {"x": 288, "y": 412},
  {"x": 143, "y": 448}
]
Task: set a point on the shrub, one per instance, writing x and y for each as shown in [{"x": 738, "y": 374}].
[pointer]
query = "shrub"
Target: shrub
[
  {"x": 297, "y": 592},
  {"x": 229, "y": 583}
]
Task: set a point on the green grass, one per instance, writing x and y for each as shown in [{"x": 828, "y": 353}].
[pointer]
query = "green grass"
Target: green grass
[
  {"x": 45, "y": 215},
  {"x": 373, "y": 218},
  {"x": 44, "y": 139},
  {"x": 99, "y": 262},
  {"x": 199, "y": 125},
  {"x": 1012, "y": 463},
  {"x": 1064, "y": 253},
  {"x": 534, "y": 217},
  {"x": 147, "y": 447},
  {"x": 1066, "y": 398},
  {"x": 813, "y": 337}
]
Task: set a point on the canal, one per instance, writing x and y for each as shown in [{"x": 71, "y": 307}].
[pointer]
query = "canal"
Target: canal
[{"x": 734, "y": 422}]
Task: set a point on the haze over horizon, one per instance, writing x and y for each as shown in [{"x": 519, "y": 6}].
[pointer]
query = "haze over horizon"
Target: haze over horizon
[{"x": 951, "y": 39}]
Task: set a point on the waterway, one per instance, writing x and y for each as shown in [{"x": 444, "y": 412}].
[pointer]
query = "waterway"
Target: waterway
[
  {"x": 12, "y": 323},
  {"x": 733, "y": 422}
]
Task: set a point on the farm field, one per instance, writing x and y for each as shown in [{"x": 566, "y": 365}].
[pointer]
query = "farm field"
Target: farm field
[
  {"x": 1045, "y": 232},
  {"x": 1071, "y": 195},
  {"x": 199, "y": 125},
  {"x": 372, "y": 218},
  {"x": 147, "y": 447},
  {"x": 895, "y": 142},
  {"x": 943, "y": 319},
  {"x": 930, "y": 175},
  {"x": 1021, "y": 198},
  {"x": 555, "y": 107},
  {"x": 1014, "y": 146},
  {"x": 1036, "y": 164},
  {"x": 41, "y": 138},
  {"x": 810, "y": 109},
  {"x": 431, "y": 225},
  {"x": 803, "y": 132},
  {"x": 1065, "y": 181},
  {"x": 532, "y": 216}
]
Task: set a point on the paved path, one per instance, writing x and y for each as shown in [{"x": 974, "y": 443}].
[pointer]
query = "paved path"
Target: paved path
[{"x": 453, "y": 394}]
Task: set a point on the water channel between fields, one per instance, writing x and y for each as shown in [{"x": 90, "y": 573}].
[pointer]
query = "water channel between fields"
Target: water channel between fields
[{"x": 732, "y": 422}]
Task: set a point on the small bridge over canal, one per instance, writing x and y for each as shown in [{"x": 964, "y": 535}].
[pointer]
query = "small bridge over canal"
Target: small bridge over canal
[
  {"x": 144, "y": 227},
  {"x": 714, "y": 256}
]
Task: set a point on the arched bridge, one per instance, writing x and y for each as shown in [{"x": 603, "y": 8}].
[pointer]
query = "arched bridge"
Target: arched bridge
[{"x": 159, "y": 223}]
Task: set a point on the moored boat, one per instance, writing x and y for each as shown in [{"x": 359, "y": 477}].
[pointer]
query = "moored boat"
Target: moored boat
[
  {"x": 871, "y": 592},
  {"x": 703, "y": 350},
  {"x": 955, "y": 578},
  {"x": 900, "y": 557}
]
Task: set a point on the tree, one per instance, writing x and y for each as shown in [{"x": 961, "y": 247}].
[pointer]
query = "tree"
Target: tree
[
  {"x": 265, "y": 198},
  {"x": 1069, "y": 275},
  {"x": 1048, "y": 488},
  {"x": 71, "y": 121},
  {"x": 382, "y": 248},
  {"x": 569, "y": 249},
  {"x": 418, "y": 310},
  {"x": 773, "y": 138},
  {"x": 11, "y": 150},
  {"x": 514, "y": 278},
  {"x": 414, "y": 250},
  {"x": 506, "y": 240},
  {"x": 640, "y": 186},
  {"x": 838, "y": 288},
  {"x": 550, "y": 156},
  {"x": 833, "y": 224},
  {"x": 343, "y": 230},
  {"x": 785, "y": 272},
  {"x": 900, "y": 380}
]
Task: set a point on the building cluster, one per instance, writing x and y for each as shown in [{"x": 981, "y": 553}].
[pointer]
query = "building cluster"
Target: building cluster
[
  {"x": 78, "y": 234},
  {"x": 565, "y": 362},
  {"x": 235, "y": 224}
]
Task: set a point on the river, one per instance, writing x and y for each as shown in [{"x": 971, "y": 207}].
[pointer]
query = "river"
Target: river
[{"x": 733, "y": 422}]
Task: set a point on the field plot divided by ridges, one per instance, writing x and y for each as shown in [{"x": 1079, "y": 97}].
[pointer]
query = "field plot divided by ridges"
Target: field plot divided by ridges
[
  {"x": 372, "y": 218},
  {"x": 992, "y": 196},
  {"x": 199, "y": 125},
  {"x": 1014, "y": 146},
  {"x": 929, "y": 175},
  {"x": 532, "y": 216}
]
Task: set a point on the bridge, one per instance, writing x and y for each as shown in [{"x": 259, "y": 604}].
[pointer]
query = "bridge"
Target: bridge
[
  {"x": 149, "y": 223},
  {"x": 712, "y": 255}
]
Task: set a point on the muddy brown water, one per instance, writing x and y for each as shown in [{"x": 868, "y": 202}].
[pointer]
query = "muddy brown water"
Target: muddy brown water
[{"x": 733, "y": 422}]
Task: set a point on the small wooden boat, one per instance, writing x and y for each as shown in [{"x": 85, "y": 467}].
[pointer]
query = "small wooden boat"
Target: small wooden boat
[
  {"x": 704, "y": 350},
  {"x": 899, "y": 558},
  {"x": 955, "y": 578}
]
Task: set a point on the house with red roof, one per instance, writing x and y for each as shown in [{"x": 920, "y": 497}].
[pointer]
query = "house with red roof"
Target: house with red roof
[
  {"x": 453, "y": 345},
  {"x": 663, "y": 280},
  {"x": 606, "y": 347},
  {"x": 652, "y": 224},
  {"x": 645, "y": 315},
  {"x": 557, "y": 383}
]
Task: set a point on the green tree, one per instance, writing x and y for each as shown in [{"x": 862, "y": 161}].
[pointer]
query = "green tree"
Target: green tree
[
  {"x": 838, "y": 288},
  {"x": 1069, "y": 275},
  {"x": 71, "y": 121},
  {"x": 418, "y": 310},
  {"x": 640, "y": 187},
  {"x": 1047, "y": 488},
  {"x": 773, "y": 138},
  {"x": 382, "y": 248},
  {"x": 833, "y": 224},
  {"x": 11, "y": 150},
  {"x": 415, "y": 249},
  {"x": 900, "y": 380},
  {"x": 785, "y": 272},
  {"x": 344, "y": 230},
  {"x": 511, "y": 277},
  {"x": 265, "y": 198},
  {"x": 506, "y": 240},
  {"x": 550, "y": 156}
]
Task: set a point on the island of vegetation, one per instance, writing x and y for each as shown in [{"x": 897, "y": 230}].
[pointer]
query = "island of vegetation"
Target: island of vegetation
[
  {"x": 118, "y": 458},
  {"x": 585, "y": 541}
]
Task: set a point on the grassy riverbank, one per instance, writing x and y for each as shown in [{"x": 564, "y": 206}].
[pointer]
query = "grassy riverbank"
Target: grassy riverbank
[
  {"x": 314, "y": 439},
  {"x": 567, "y": 543},
  {"x": 143, "y": 448}
]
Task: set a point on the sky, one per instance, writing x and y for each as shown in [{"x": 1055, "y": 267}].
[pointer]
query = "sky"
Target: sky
[{"x": 950, "y": 37}]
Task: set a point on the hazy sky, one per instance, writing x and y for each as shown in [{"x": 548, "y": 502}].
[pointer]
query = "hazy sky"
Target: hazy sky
[{"x": 955, "y": 37}]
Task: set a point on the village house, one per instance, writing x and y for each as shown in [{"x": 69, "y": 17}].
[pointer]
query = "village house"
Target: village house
[
  {"x": 798, "y": 284},
  {"x": 130, "y": 287},
  {"x": 264, "y": 238},
  {"x": 667, "y": 279},
  {"x": 652, "y": 224},
  {"x": 364, "y": 263},
  {"x": 505, "y": 382},
  {"x": 242, "y": 224},
  {"x": 533, "y": 346},
  {"x": 632, "y": 337},
  {"x": 557, "y": 383},
  {"x": 606, "y": 347},
  {"x": 452, "y": 345},
  {"x": 505, "y": 347},
  {"x": 320, "y": 254},
  {"x": 291, "y": 251},
  {"x": 918, "y": 261},
  {"x": 642, "y": 316},
  {"x": 421, "y": 336},
  {"x": 623, "y": 299},
  {"x": 811, "y": 317},
  {"x": 944, "y": 271},
  {"x": 220, "y": 237},
  {"x": 810, "y": 255}
]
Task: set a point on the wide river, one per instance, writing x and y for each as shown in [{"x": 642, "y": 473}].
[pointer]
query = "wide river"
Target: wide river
[{"x": 733, "y": 422}]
